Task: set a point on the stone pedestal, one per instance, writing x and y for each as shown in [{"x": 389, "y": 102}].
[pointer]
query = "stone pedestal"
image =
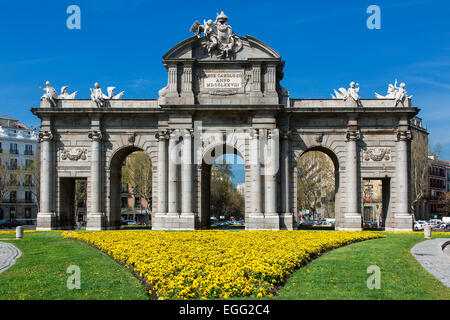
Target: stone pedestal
[
  {"x": 184, "y": 222},
  {"x": 286, "y": 221},
  {"x": 46, "y": 221},
  {"x": 96, "y": 221}
]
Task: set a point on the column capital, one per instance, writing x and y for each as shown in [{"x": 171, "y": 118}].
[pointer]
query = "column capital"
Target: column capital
[
  {"x": 254, "y": 133},
  {"x": 188, "y": 133},
  {"x": 95, "y": 135},
  {"x": 404, "y": 135},
  {"x": 353, "y": 135},
  {"x": 162, "y": 135},
  {"x": 46, "y": 136}
]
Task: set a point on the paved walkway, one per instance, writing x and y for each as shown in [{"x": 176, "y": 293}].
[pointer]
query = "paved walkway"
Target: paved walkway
[
  {"x": 8, "y": 255},
  {"x": 430, "y": 255}
]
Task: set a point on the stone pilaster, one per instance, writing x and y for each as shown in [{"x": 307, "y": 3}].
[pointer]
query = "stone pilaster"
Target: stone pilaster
[
  {"x": 403, "y": 220},
  {"x": 187, "y": 174},
  {"x": 256, "y": 217},
  {"x": 271, "y": 166},
  {"x": 255, "y": 91},
  {"x": 173, "y": 208},
  {"x": 187, "y": 219},
  {"x": 46, "y": 218},
  {"x": 352, "y": 216},
  {"x": 159, "y": 218},
  {"x": 286, "y": 216},
  {"x": 95, "y": 216},
  {"x": 186, "y": 91},
  {"x": 172, "y": 78}
]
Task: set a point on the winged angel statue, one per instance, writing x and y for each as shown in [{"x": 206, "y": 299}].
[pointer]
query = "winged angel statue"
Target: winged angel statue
[
  {"x": 394, "y": 92},
  {"x": 219, "y": 36},
  {"x": 353, "y": 92}
]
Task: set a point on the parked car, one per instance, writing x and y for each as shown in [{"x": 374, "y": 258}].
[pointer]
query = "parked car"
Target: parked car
[
  {"x": 10, "y": 223},
  {"x": 419, "y": 225}
]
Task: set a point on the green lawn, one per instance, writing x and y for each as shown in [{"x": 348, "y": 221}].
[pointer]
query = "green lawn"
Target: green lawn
[
  {"x": 339, "y": 274},
  {"x": 342, "y": 273},
  {"x": 40, "y": 273}
]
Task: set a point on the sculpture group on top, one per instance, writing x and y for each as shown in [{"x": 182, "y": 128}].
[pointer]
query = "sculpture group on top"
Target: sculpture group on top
[
  {"x": 352, "y": 92},
  {"x": 219, "y": 36},
  {"x": 51, "y": 96},
  {"x": 394, "y": 92}
]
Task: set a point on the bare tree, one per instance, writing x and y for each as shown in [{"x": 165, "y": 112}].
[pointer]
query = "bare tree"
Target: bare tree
[
  {"x": 419, "y": 171},
  {"x": 137, "y": 174},
  {"x": 316, "y": 181},
  {"x": 444, "y": 200}
]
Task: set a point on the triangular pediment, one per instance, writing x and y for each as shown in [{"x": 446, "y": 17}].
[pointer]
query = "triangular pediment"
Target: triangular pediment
[{"x": 194, "y": 48}]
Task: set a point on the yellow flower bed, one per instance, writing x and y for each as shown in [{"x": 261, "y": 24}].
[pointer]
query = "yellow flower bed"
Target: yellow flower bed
[
  {"x": 215, "y": 264},
  {"x": 14, "y": 231}
]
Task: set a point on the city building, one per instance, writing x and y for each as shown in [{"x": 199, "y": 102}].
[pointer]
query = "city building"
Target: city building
[
  {"x": 241, "y": 188},
  {"x": 419, "y": 169},
  {"x": 437, "y": 172},
  {"x": 19, "y": 149}
]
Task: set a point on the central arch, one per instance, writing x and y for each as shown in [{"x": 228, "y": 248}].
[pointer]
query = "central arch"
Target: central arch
[
  {"x": 115, "y": 184},
  {"x": 335, "y": 161},
  {"x": 209, "y": 157}
]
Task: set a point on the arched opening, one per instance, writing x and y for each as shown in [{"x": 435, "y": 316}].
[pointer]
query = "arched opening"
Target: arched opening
[
  {"x": 222, "y": 181},
  {"x": 317, "y": 187},
  {"x": 130, "y": 188},
  {"x": 72, "y": 202}
]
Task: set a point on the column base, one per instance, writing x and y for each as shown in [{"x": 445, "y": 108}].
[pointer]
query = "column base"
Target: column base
[
  {"x": 261, "y": 222},
  {"x": 352, "y": 222},
  {"x": 183, "y": 222},
  {"x": 287, "y": 221},
  {"x": 401, "y": 222},
  {"x": 158, "y": 221},
  {"x": 96, "y": 221},
  {"x": 46, "y": 221}
]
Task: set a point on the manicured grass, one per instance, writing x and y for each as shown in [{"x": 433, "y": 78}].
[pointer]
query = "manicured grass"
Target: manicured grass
[
  {"x": 40, "y": 273},
  {"x": 342, "y": 273},
  {"x": 339, "y": 274}
]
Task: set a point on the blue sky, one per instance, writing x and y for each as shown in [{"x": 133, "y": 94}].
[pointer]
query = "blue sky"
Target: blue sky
[{"x": 325, "y": 44}]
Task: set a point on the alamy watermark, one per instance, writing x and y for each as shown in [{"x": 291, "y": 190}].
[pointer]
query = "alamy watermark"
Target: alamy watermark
[
  {"x": 374, "y": 20},
  {"x": 74, "y": 20},
  {"x": 374, "y": 281},
  {"x": 74, "y": 280}
]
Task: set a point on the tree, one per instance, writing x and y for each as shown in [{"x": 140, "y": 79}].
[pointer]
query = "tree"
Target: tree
[
  {"x": 225, "y": 199},
  {"x": 316, "y": 182},
  {"x": 3, "y": 178},
  {"x": 444, "y": 201},
  {"x": 419, "y": 171},
  {"x": 137, "y": 174}
]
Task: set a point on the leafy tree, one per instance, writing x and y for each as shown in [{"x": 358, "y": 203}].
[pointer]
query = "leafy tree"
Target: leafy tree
[{"x": 225, "y": 199}]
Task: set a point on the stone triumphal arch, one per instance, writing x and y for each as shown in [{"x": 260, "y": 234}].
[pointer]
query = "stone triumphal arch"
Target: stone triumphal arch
[{"x": 223, "y": 94}]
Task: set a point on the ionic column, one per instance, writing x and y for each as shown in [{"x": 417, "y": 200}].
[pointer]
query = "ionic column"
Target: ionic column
[
  {"x": 270, "y": 172},
  {"x": 46, "y": 215},
  {"x": 352, "y": 173},
  {"x": 402, "y": 172},
  {"x": 255, "y": 174},
  {"x": 162, "y": 172},
  {"x": 96, "y": 172},
  {"x": 284, "y": 170},
  {"x": 173, "y": 175},
  {"x": 187, "y": 175}
]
